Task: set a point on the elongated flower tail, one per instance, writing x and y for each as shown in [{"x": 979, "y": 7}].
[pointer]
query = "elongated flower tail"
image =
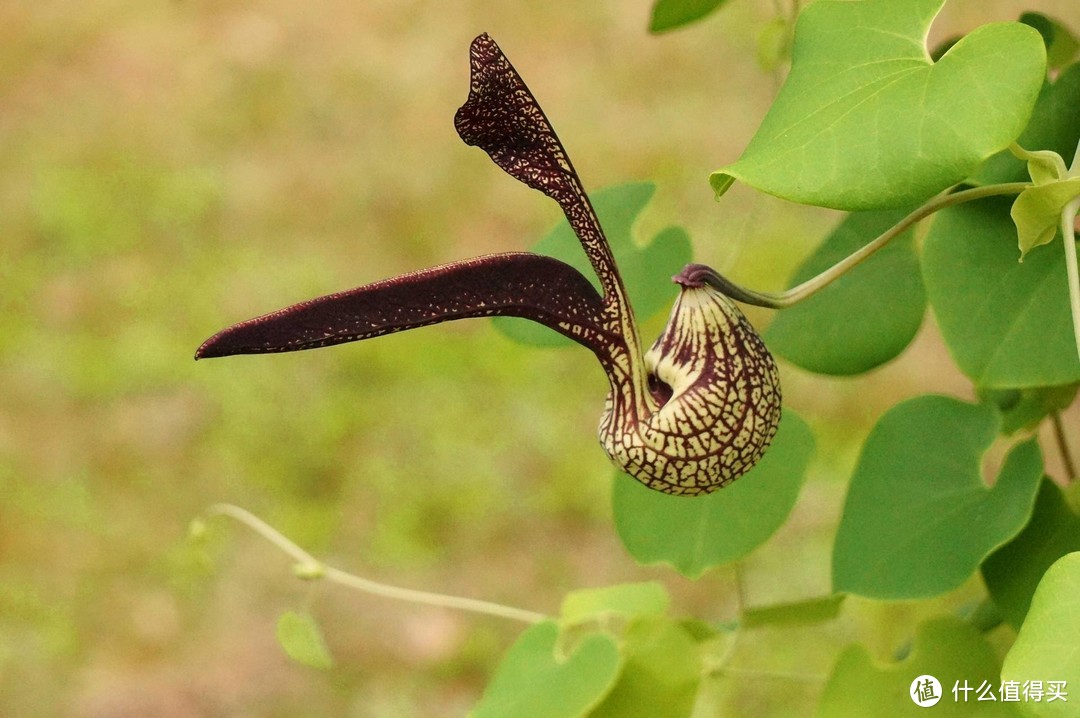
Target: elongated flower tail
[
  {"x": 502, "y": 117},
  {"x": 517, "y": 284}
]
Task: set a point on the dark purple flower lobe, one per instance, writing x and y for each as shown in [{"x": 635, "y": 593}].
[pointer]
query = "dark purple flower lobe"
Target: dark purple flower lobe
[{"x": 515, "y": 284}]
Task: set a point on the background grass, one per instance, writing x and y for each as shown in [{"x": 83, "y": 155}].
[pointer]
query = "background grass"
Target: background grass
[{"x": 169, "y": 168}]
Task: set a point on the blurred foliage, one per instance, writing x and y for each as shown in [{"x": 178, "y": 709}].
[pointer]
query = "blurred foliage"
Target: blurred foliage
[{"x": 169, "y": 168}]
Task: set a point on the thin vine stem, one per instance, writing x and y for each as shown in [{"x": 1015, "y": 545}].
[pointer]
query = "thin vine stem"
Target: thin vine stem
[
  {"x": 1068, "y": 233},
  {"x": 816, "y": 284},
  {"x": 1068, "y": 237},
  {"x": 309, "y": 567},
  {"x": 740, "y": 587},
  {"x": 1063, "y": 445}
]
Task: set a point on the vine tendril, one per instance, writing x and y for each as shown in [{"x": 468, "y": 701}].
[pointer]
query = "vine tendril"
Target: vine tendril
[{"x": 309, "y": 568}]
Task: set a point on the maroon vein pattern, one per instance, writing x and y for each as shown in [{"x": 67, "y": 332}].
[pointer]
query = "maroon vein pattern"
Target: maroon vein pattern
[
  {"x": 724, "y": 403},
  {"x": 502, "y": 117},
  {"x": 516, "y": 284}
]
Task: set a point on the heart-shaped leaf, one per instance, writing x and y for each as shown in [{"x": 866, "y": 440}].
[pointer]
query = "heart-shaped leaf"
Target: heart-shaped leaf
[
  {"x": 866, "y": 120},
  {"x": 919, "y": 519},
  {"x": 671, "y": 14},
  {"x": 1048, "y": 646},
  {"x": 661, "y": 672},
  {"x": 1013, "y": 571},
  {"x": 1053, "y": 127},
  {"x": 533, "y": 681},
  {"x": 946, "y": 648},
  {"x": 864, "y": 318},
  {"x": 694, "y": 534},
  {"x": 646, "y": 271},
  {"x": 1007, "y": 325}
]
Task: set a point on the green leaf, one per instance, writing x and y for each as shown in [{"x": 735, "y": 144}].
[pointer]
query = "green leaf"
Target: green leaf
[
  {"x": 1013, "y": 571},
  {"x": 1048, "y": 647},
  {"x": 1025, "y": 408},
  {"x": 1061, "y": 44},
  {"x": 646, "y": 271},
  {"x": 1006, "y": 324},
  {"x": 1053, "y": 127},
  {"x": 864, "y": 318},
  {"x": 918, "y": 519},
  {"x": 533, "y": 681},
  {"x": 867, "y": 121},
  {"x": 1037, "y": 211},
  {"x": 945, "y": 648},
  {"x": 300, "y": 637},
  {"x": 671, "y": 14},
  {"x": 694, "y": 534},
  {"x": 661, "y": 673},
  {"x": 627, "y": 599},
  {"x": 811, "y": 610}
]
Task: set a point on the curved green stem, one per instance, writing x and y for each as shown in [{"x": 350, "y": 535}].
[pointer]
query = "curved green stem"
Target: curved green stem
[
  {"x": 812, "y": 286},
  {"x": 1068, "y": 233},
  {"x": 309, "y": 567},
  {"x": 740, "y": 587},
  {"x": 1063, "y": 446}
]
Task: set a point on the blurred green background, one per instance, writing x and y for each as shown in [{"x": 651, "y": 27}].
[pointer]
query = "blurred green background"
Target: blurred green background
[{"x": 168, "y": 168}]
